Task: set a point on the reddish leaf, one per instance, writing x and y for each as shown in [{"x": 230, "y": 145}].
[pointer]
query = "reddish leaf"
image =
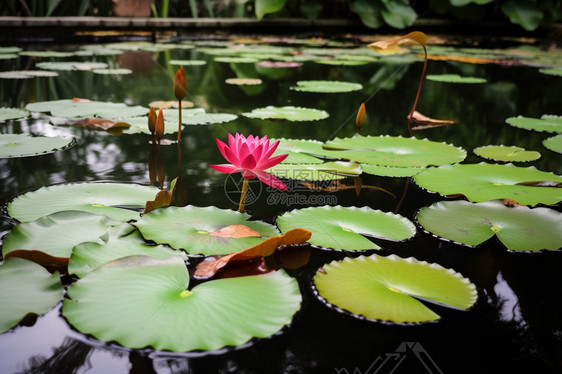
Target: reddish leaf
[
  {"x": 428, "y": 123},
  {"x": 162, "y": 199},
  {"x": 235, "y": 231},
  {"x": 209, "y": 268},
  {"x": 102, "y": 124}
]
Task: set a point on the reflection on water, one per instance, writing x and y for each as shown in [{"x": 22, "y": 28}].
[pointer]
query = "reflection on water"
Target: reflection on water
[{"x": 516, "y": 324}]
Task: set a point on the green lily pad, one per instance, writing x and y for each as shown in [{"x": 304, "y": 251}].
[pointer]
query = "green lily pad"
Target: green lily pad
[
  {"x": 46, "y": 54},
  {"x": 20, "y": 145},
  {"x": 122, "y": 241},
  {"x": 209, "y": 118},
  {"x": 483, "y": 182},
  {"x": 344, "y": 228},
  {"x": 454, "y": 78},
  {"x": 57, "y": 233},
  {"x": 551, "y": 71},
  {"x": 303, "y": 146},
  {"x": 236, "y": 60},
  {"x": 389, "y": 288},
  {"x": 545, "y": 123},
  {"x": 188, "y": 62},
  {"x": 87, "y": 109},
  {"x": 196, "y": 229},
  {"x": 390, "y": 171},
  {"x": 26, "y": 287},
  {"x": 326, "y": 86},
  {"x": 98, "y": 198},
  {"x": 112, "y": 301},
  {"x": 26, "y": 74},
  {"x": 507, "y": 154},
  {"x": 12, "y": 113},
  {"x": 8, "y": 56},
  {"x": 317, "y": 171},
  {"x": 554, "y": 143},
  {"x": 341, "y": 62},
  {"x": 112, "y": 71},
  {"x": 296, "y": 157},
  {"x": 519, "y": 228},
  {"x": 393, "y": 151},
  {"x": 10, "y": 49},
  {"x": 290, "y": 113},
  {"x": 71, "y": 65}
]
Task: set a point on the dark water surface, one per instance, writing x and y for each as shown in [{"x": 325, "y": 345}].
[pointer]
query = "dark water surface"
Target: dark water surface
[{"x": 516, "y": 324}]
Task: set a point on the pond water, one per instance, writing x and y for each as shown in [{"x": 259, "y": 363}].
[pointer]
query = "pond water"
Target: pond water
[{"x": 514, "y": 326}]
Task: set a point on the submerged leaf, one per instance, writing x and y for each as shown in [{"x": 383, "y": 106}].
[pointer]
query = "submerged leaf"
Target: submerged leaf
[
  {"x": 112, "y": 301},
  {"x": 388, "y": 288}
]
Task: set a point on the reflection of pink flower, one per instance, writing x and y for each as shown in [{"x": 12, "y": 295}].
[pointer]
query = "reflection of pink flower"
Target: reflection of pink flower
[{"x": 251, "y": 157}]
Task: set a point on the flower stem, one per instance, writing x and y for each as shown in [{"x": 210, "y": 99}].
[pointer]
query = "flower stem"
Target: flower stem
[
  {"x": 243, "y": 196},
  {"x": 179, "y": 124},
  {"x": 419, "y": 91}
]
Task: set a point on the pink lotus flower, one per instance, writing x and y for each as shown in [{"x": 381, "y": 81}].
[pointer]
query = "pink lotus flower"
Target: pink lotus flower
[{"x": 250, "y": 156}]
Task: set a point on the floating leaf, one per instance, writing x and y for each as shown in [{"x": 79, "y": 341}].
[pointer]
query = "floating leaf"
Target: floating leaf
[
  {"x": 71, "y": 65},
  {"x": 188, "y": 62},
  {"x": 19, "y": 145},
  {"x": 551, "y": 71},
  {"x": 340, "y": 227},
  {"x": 87, "y": 109},
  {"x": 554, "y": 143},
  {"x": 189, "y": 228},
  {"x": 122, "y": 241},
  {"x": 98, "y": 198},
  {"x": 112, "y": 301},
  {"x": 483, "y": 182},
  {"x": 507, "y": 154},
  {"x": 26, "y": 287},
  {"x": 454, "y": 78},
  {"x": 388, "y": 288},
  {"x": 390, "y": 171},
  {"x": 390, "y": 46},
  {"x": 209, "y": 118},
  {"x": 26, "y": 74},
  {"x": 236, "y": 60},
  {"x": 545, "y": 123},
  {"x": 112, "y": 71},
  {"x": 46, "y": 54},
  {"x": 342, "y": 62},
  {"x": 290, "y": 113},
  {"x": 244, "y": 81},
  {"x": 57, "y": 233},
  {"x": 210, "y": 266},
  {"x": 326, "y": 86},
  {"x": 12, "y": 113},
  {"x": 102, "y": 124},
  {"x": 317, "y": 171},
  {"x": 519, "y": 228},
  {"x": 393, "y": 151}
]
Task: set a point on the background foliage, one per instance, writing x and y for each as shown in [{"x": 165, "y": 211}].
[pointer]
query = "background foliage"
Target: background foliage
[{"x": 528, "y": 14}]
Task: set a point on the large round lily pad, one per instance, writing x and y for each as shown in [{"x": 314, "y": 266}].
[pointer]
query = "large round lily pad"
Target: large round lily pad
[
  {"x": 140, "y": 301},
  {"x": 316, "y": 171},
  {"x": 344, "y": 228},
  {"x": 290, "y": 113},
  {"x": 483, "y": 182},
  {"x": 57, "y": 233},
  {"x": 209, "y": 231},
  {"x": 519, "y": 228},
  {"x": 389, "y": 288},
  {"x": 26, "y": 287},
  {"x": 20, "y": 145},
  {"x": 86, "y": 109},
  {"x": 393, "y": 151},
  {"x": 99, "y": 198},
  {"x": 122, "y": 241}
]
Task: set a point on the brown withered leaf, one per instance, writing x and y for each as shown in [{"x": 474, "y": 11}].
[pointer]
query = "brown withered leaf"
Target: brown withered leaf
[
  {"x": 102, "y": 124},
  {"x": 49, "y": 262},
  {"x": 208, "y": 268},
  {"x": 162, "y": 199},
  {"x": 428, "y": 123}
]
